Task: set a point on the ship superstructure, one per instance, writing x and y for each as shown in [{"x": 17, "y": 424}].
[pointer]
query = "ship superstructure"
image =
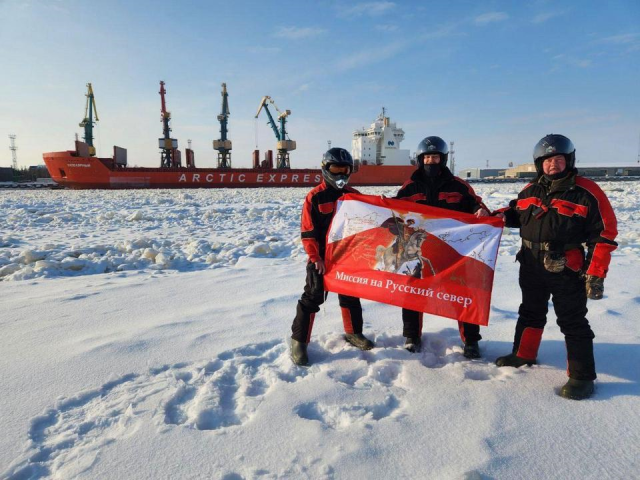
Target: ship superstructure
[{"x": 380, "y": 143}]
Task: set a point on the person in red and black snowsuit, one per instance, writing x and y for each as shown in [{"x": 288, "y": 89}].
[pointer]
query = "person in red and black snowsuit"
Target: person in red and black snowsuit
[
  {"x": 433, "y": 184},
  {"x": 317, "y": 212},
  {"x": 558, "y": 213}
]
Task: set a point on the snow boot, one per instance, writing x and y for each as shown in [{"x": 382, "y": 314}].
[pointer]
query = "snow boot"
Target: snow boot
[
  {"x": 413, "y": 344},
  {"x": 471, "y": 350},
  {"x": 299, "y": 353},
  {"x": 358, "y": 340},
  {"x": 512, "y": 360},
  {"x": 577, "y": 389}
]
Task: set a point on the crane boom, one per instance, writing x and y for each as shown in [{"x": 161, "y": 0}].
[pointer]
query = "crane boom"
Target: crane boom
[
  {"x": 284, "y": 145},
  {"x": 272, "y": 122}
]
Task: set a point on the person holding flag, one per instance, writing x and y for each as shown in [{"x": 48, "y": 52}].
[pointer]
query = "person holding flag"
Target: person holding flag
[
  {"x": 433, "y": 184},
  {"x": 557, "y": 213},
  {"x": 317, "y": 213}
]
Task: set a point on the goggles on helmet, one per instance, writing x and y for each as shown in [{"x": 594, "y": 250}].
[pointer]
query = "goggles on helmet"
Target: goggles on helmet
[{"x": 337, "y": 169}]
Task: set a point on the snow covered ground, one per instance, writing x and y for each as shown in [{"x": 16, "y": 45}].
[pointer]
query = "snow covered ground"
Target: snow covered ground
[{"x": 144, "y": 335}]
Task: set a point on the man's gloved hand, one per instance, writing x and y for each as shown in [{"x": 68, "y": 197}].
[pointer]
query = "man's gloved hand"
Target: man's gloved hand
[
  {"x": 554, "y": 262},
  {"x": 594, "y": 286}
]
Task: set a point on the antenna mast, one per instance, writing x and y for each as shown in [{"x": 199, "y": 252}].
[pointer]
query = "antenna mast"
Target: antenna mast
[
  {"x": 13, "y": 148},
  {"x": 452, "y": 158}
]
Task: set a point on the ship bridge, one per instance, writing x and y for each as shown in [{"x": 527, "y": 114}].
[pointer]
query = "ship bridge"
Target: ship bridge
[{"x": 380, "y": 143}]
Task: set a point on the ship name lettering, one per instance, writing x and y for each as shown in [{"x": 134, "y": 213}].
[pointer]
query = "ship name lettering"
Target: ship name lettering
[
  {"x": 241, "y": 177},
  {"x": 317, "y": 178},
  {"x": 259, "y": 178},
  {"x": 231, "y": 178},
  {"x": 209, "y": 177},
  {"x": 196, "y": 177},
  {"x": 222, "y": 177},
  {"x": 183, "y": 178},
  {"x": 294, "y": 178},
  {"x": 283, "y": 177},
  {"x": 306, "y": 178},
  {"x": 272, "y": 177}
]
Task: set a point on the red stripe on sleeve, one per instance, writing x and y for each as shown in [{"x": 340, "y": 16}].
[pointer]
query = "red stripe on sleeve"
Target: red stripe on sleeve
[
  {"x": 311, "y": 247},
  {"x": 600, "y": 259}
]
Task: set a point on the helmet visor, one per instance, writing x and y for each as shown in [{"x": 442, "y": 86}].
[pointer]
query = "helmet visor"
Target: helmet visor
[{"x": 338, "y": 169}]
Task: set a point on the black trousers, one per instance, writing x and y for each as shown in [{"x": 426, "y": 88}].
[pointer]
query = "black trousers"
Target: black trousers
[
  {"x": 309, "y": 305},
  {"x": 567, "y": 292},
  {"x": 412, "y": 327}
]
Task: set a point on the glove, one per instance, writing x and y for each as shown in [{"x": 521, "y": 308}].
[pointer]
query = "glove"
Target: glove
[
  {"x": 554, "y": 262},
  {"x": 594, "y": 286}
]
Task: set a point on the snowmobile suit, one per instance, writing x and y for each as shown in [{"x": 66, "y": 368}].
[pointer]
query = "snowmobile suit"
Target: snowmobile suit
[
  {"x": 451, "y": 193},
  {"x": 557, "y": 217},
  {"x": 317, "y": 212}
]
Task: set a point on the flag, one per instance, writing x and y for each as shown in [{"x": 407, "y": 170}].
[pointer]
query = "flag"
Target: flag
[{"x": 413, "y": 256}]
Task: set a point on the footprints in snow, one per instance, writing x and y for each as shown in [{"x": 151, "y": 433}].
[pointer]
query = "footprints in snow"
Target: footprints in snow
[{"x": 354, "y": 388}]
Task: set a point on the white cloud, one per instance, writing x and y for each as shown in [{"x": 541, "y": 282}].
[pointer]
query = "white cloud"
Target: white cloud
[
  {"x": 543, "y": 17},
  {"x": 490, "y": 17},
  {"x": 370, "y": 56},
  {"x": 626, "y": 42},
  {"x": 296, "y": 33},
  {"x": 622, "y": 39},
  {"x": 302, "y": 88},
  {"x": 386, "y": 28},
  {"x": 264, "y": 50},
  {"x": 571, "y": 61},
  {"x": 371, "y": 9}
]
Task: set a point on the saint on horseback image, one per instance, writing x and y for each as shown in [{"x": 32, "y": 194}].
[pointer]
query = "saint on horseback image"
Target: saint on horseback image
[{"x": 404, "y": 254}]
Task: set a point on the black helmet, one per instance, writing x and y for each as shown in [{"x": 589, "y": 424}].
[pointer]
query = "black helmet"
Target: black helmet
[
  {"x": 552, "y": 145},
  {"x": 336, "y": 156},
  {"x": 431, "y": 146}
]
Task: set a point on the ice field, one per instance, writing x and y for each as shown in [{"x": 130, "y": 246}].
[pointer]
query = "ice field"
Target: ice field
[{"x": 144, "y": 335}]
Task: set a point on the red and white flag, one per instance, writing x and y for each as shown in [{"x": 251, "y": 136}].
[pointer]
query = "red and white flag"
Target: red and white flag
[{"x": 418, "y": 257}]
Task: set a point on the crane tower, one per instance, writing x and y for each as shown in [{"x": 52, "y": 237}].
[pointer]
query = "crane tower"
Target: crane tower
[
  {"x": 87, "y": 123},
  {"x": 223, "y": 145},
  {"x": 169, "y": 154}
]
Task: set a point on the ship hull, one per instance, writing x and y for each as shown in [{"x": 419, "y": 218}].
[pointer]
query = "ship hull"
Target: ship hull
[{"x": 72, "y": 171}]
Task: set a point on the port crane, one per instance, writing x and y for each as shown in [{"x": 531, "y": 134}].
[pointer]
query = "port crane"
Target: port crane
[
  {"x": 284, "y": 145},
  {"x": 88, "y": 122},
  {"x": 169, "y": 153},
  {"x": 223, "y": 145}
]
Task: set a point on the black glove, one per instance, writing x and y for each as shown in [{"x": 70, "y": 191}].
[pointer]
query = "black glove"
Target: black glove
[{"x": 594, "y": 286}]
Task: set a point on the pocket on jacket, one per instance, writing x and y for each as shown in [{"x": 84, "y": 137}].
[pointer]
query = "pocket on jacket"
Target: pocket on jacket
[{"x": 325, "y": 208}]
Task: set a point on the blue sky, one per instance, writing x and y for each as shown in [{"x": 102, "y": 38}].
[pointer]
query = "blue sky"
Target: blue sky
[{"x": 493, "y": 76}]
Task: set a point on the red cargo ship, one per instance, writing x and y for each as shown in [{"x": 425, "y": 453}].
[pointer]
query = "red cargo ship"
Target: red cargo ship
[{"x": 79, "y": 170}]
